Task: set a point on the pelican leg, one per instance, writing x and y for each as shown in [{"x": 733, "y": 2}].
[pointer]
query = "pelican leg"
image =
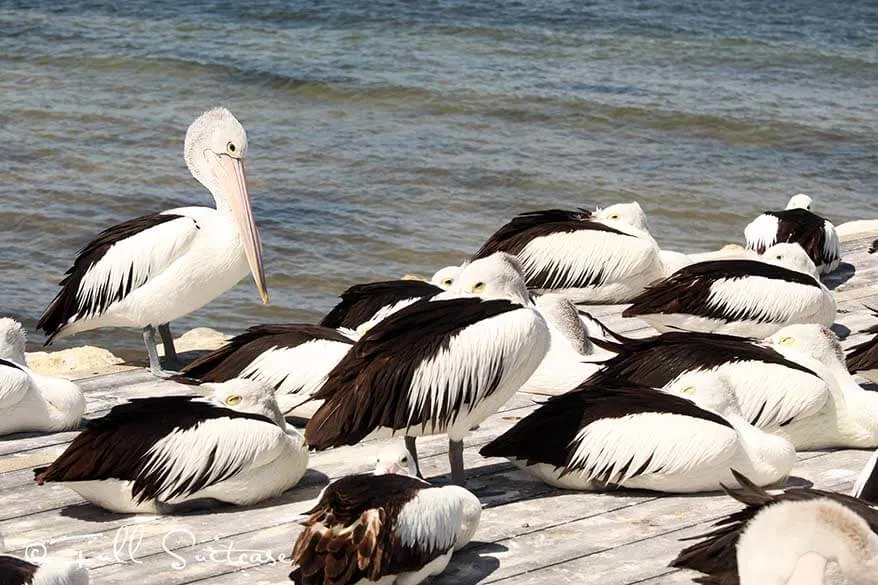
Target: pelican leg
[
  {"x": 155, "y": 365},
  {"x": 412, "y": 448},
  {"x": 171, "y": 359},
  {"x": 455, "y": 458}
]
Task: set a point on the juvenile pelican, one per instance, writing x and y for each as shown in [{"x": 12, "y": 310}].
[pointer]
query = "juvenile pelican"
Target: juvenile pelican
[{"x": 153, "y": 269}]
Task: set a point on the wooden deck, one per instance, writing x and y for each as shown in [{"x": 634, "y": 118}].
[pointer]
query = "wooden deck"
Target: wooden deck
[{"x": 529, "y": 533}]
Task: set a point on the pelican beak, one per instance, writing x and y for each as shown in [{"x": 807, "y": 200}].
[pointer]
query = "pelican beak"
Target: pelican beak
[{"x": 234, "y": 184}]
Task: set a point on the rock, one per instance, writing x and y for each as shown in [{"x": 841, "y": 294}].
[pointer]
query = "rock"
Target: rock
[
  {"x": 76, "y": 362},
  {"x": 198, "y": 338}
]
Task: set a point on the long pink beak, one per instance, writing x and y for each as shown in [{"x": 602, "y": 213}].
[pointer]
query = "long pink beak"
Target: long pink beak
[{"x": 234, "y": 185}]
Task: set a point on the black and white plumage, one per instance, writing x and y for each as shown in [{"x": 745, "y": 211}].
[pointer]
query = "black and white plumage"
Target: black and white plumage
[
  {"x": 51, "y": 571},
  {"x": 383, "y": 528},
  {"x": 30, "y": 401},
  {"x": 294, "y": 359},
  {"x": 161, "y": 455},
  {"x": 717, "y": 553},
  {"x": 746, "y": 297},
  {"x": 797, "y": 224},
  {"x": 364, "y": 304},
  {"x": 153, "y": 269},
  {"x": 770, "y": 389},
  {"x": 437, "y": 366},
  {"x": 603, "y": 256},
  {"x": 625, "y": 435},
  {"x": 864, "y": 356}
]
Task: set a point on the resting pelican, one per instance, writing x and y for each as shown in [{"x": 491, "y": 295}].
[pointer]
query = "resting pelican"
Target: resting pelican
[{"x": 150, "y": 270}]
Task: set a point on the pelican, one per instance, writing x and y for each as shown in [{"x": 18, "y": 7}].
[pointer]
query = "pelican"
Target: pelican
[
  {"x": 606, "y": 256},
  {"x": 395, "y": 458},
  {"x": 746, "y": 297},
  {"x": 624, "y": 435},
  {"x": 787, "y": 539},
  {"x": 849, "y": 417},
  {"x": 770, "y": 389},
  {"x": 173, "y": 453},
  {"x": 52, "y": 571},
  {"x": 439, "y": 366},
  {"x": 150, "y": 270},
  {"x": 385, "y": 528},
  {"x": 797, "y": 224},
  {"x": 30, "y": 401},
  {"x": 294, "y": 359}
]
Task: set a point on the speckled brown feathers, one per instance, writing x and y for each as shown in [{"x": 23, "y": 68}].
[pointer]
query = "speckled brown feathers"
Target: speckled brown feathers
[
  {"x": 349, "y": 535},
  {"x": 687, "y": 291},
  {"x": 369, "y": 388},
  {"x": 361, "y": 302},
  {"x": 239, "y": 352},
  {"x": 15, "y": 571},
  {"x": 715, "y": 554}
]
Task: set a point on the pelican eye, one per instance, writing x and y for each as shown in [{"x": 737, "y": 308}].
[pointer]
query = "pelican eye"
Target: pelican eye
[
  {"x": 613, "y": 216},
  {"x": 688, "y": 390},
  {"x": 231, "y": 147},
  {"x": 788, "y": 341},
  {"x": 233, "y": 400},
  {"x": 778, "y": 257},
  {"x": 447, "y": 282},
  {"x": 404, "y": 460},
  {"x": 478, "y": 287}
]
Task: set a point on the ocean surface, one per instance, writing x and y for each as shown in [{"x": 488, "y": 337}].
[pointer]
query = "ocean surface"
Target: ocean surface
[{"x": 392, "y": 137}]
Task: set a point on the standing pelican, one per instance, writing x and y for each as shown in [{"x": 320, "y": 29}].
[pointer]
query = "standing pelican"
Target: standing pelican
[{"x": 153, "y": 269}]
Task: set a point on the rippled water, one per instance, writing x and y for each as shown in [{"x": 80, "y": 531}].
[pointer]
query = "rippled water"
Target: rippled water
[{"x": 394, "y": 137}]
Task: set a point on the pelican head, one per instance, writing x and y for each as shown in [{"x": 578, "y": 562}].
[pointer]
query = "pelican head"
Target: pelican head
[
  {"x": 790, "y": 256},
  {"x": 215, "y": 147},
  {"x": 790, "y": 543},
  {"x": 499, "y": 276},
  {"x": 245, "y": 395},
  {"x": 813, "y": 341},
  {"x": 445, "y": 277},
  {"x": 12, "y": 339},
  {"x": 706, "y": 389},
  {"x": 395, "y": 458},
  {"x": 800, "y": 201},
  {"x": 627, "y": 213}
]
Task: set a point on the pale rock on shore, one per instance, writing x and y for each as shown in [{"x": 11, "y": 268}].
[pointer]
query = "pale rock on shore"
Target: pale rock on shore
[{"x": 86, "y": 361}]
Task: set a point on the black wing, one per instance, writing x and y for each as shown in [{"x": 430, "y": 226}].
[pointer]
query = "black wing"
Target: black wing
[
  {"x": 805, "y": 228},
  {"x": 67, "y": 303},
  {"x": 369, "y": 387},
  {"x": 360, "y": 302},
  {"x": 545, "y": 435},
  {"x": 239, "y": 352},
  {"x": 117, "y": 445},
  {"x": 688, "y": 290},
  {"x": 656, "y": 361}
]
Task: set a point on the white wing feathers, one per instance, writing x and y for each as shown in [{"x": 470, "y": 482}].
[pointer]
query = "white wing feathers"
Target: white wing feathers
[
  {"x": 14, "y": 385},
  {"x": 613, "y": 449},
  {"x": 734, "y": 297},
  {"x": 297, "y": 370},
  {"x": 588, "y": 255},
  {"x": 776, "y": 395},
  {"x": 212, "y": 451},
  {"x": 761, "y": 232},
  {"x": 131, "y": 262},
  {"x": 430, "y": 520}
]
